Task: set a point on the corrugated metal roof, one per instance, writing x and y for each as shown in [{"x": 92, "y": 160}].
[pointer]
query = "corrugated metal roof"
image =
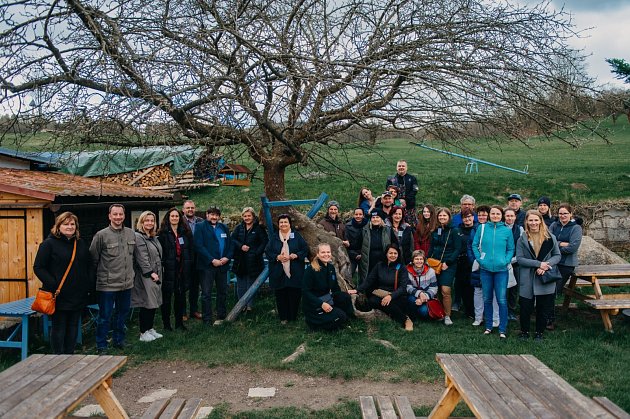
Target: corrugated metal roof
[
  {"x": 238, "y": 168},
  {"x": 54, "y": 184}
]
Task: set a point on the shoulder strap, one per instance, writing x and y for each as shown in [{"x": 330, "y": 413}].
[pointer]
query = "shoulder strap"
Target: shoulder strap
[
  {"x": 396, "y": 277},
  {"x": 65, "y": 275},
  {"x": 446, "y": 243},
  {"x": 483, "y": 226}
]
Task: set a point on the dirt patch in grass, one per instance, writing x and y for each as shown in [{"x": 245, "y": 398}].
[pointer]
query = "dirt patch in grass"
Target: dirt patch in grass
[{"x": 230, "y": 385}]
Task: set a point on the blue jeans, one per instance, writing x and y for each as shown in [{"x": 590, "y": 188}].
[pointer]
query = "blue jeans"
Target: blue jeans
[
  {"x": 106, "y": 301},
  {"x": 421, "y": 312},
  {"x": 495, "y": 283}
]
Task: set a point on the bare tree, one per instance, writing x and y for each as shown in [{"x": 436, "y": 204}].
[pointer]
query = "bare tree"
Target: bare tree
[{"x": 285, "y": 78}]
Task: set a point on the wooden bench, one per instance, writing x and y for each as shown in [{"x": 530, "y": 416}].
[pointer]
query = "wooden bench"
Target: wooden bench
[
  {"x": 510, "y": 386},
  {"x": 389, "y": 407},
  {"x": 615, "y": 410},
  {"x": 20, "y": 309},
  {"x": 173, "y": 408},
  {"x": 609, "y": 306},
  {"x": 609, "y": 282}
]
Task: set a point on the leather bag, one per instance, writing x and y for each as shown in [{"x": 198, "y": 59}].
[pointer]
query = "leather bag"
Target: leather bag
[
  {"x": 45, "y": 300},
  {"x": 436, "y": 309},
  {"x": 551, "y": 275},
  {"x": 435, "y": 264}
]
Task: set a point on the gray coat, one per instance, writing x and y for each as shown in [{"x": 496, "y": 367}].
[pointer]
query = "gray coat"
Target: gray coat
[
  {"x": 529, "y": 285},
  {"x": 147, "y": 259}
]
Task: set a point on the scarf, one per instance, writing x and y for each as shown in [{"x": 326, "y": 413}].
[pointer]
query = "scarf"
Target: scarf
[{"x": 286, "y": 266}]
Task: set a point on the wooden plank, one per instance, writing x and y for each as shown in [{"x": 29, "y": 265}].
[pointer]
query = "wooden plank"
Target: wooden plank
[
  {"x": 141, "y": 175},
  {"x": 368, "y": 408},
  {"x": 34, "y": 237},
  {"x": 608, "y": 304},
  {"x": 579, "y": 402},
  {"x": 405, "y": 411},
  {"x": 155, "y": 409},
  {"x": 386, "y": 407},
  {"x": 615, "y": 410},
  {"x": 173, "y": 409},
  {"x": 29, "y": 378},
  {"x": 604, "y": 282},
  {"x": 446, "y": 404},
  {"x": 615, "y": 270},
  {"x": 110, "y": 404},
  {"x": 477, "y": 394},
  {"x": 507, "y": 403},
  {"x": 190, "y": 409}
]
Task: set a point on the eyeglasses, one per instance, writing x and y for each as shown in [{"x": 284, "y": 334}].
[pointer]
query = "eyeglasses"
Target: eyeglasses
[{"x": 564, "y": 213}]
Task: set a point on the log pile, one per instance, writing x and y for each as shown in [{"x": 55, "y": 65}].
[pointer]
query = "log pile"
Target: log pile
[{"x": 152, "y": 176}]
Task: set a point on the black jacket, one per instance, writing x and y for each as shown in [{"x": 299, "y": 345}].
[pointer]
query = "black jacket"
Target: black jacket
[
  {"x": 383, "y": 276},
  {"x": 51, "y": 262},
  {"x": 251, "y": 262},
  {"x": 177, "y": 273},
  {"x": 354, "y": 234},
  {"x": 277, "y": 278}
]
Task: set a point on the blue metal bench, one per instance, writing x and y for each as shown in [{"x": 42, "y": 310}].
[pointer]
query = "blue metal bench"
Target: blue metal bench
[{"x": 21, "y": 309}]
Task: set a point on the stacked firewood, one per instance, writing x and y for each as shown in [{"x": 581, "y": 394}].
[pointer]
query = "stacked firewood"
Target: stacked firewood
[{"x": 151, "y": 176}]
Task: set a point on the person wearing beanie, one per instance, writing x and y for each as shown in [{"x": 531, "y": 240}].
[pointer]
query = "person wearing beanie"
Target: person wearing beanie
[
  {"x": 544, "y": 208},
  {"x": 332, "y": 222},
  {"x": 376, "y": 237}
]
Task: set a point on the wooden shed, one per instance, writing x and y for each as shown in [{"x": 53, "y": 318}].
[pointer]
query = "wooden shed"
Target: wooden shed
[
  {"x": 29, "y": 202},
  {"x": 235, "y": 175}
]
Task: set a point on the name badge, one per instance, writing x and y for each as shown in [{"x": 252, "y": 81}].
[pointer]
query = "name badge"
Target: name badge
[
  {"x": 439, "y": 231},
  {"x": 291, "y": 235},
  {"x": 400, "y": 233},
  {"x": 181, "y": 240},
  {"x": 223, "y": 235}
]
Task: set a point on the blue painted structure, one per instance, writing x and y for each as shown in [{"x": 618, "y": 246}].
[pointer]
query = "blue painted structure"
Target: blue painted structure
[
  {"x": 472, "y": 162},
  {"x": 316, "y": 204}
]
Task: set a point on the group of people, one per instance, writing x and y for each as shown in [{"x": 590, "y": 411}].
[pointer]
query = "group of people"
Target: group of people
[{"x": 483, "y": 260}]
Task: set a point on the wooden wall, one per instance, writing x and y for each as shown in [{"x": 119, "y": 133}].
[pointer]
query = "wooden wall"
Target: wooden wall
[{"x": 21, "y": 232}]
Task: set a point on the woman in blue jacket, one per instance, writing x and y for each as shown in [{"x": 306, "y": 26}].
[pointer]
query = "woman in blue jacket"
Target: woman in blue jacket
[
  {"x": 497, "y": 249},
  {"x": 286, "y": 252}
]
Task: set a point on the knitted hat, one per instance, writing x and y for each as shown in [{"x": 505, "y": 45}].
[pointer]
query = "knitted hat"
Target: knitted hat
[{"x": 544, "y": 200}]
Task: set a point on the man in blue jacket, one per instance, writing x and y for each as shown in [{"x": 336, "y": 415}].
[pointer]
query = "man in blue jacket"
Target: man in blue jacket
[{"x": 214, "y": 251}]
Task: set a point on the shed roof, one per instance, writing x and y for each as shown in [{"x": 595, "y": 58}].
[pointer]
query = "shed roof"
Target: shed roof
[
  {"x": 50, "y": 185},
  {"x": 238, "y": 168}
]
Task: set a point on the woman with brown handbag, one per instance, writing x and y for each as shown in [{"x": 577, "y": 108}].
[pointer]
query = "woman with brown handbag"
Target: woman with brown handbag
[{"x": 64, "y": 259}]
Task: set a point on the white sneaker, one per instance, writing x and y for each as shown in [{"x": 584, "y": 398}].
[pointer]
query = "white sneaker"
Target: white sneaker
[
  {"x": 447, "y": 321},
  {"x": 477, "y": 323},
  {"x": 495, "y": 324},
  {"x": 155, "y": 334},
  {"x": 147, "y": 337}
]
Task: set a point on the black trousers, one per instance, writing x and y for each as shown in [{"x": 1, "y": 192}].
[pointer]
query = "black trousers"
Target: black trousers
[
  {"x": 178, "y": 300},
  {"x": 193, "y": 293},
  {"x": 512, "y": 293},
  {"x": 288, "y": 302},
  {"x": 566, "y": 272},
  {"x": 544, "y": 306},
  {"x": 395, "y": 309},
  {"x": 63, "y": 334},
  {"x": 464, "y": 291},
  {"x": 342, "y": 311},
  {"x": 146, "y": 317}
]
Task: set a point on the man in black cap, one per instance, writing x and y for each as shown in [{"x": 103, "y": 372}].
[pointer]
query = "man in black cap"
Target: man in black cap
[
  {"x": 544, "y": 208},
  {"x": 514, "y": 202},
  {"x": 386, "y": 203},
  {"x": 214, "y": 251}
]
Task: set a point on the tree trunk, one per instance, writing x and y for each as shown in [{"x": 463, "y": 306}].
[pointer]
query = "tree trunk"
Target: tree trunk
[{"x": 274, "y": 180}]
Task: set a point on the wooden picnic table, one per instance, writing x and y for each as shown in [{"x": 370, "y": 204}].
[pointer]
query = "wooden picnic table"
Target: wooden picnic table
[
  {"x": 19, "y": 309},
  {"x": 598, "y": 276},
  {"x": 510, "y": 386},
  {"x": 51, "y": 386}
]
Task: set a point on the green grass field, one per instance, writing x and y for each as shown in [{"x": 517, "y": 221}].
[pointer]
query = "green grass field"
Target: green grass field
[{"x": 593, "y": 172}]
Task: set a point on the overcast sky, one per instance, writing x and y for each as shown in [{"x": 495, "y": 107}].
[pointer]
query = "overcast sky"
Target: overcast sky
[{"x": 608, "y": 38}]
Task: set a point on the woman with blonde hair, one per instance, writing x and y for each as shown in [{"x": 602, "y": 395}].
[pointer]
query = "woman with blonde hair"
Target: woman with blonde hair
[
  {"x": 146, "y": 293},
  {"x": 249, "y": 239},
  {"x": 61, "y": 250},
  {"x": 537, "y": 252},
  {"x": 325, "y": 306}
]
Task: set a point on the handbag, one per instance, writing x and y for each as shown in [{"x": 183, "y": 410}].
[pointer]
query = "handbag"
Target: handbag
[
  {"x": 45, "y": 300},
  {"x": 436, "y": 309},
  {"x": 381, "y": 293},
  {"x": 437, "y": 264},
  {"x": 551, "y": 275}
]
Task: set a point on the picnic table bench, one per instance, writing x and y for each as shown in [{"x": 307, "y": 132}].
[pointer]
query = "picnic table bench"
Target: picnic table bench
[
  {"x": 172, "y": 409},
  {"x": 389, "y": 408},
  {"x": 511, "y": 386},
  {"x": 51, "y": 386},
  {"x": 598, "y": 276},
  {"x": 20, "y": 309}
]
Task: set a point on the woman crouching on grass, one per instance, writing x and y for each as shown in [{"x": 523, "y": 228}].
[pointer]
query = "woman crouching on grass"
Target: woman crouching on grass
[
  {"x": 537, "y": 251},
  {"x": 386, "y": 287},
  {"x": 422, "y": 285},
  {"x": 325, "y": 306}
]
